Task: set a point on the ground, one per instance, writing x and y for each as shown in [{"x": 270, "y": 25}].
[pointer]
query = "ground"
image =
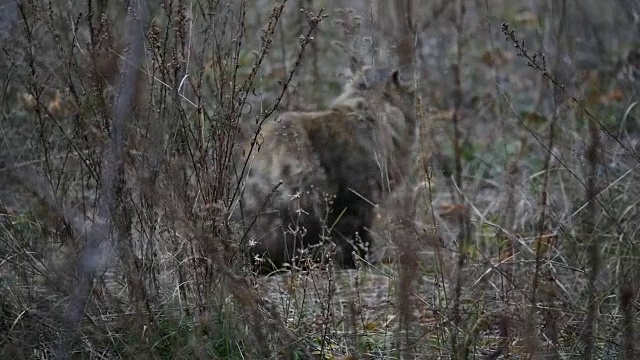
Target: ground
[{"x": 515, "y": 230}]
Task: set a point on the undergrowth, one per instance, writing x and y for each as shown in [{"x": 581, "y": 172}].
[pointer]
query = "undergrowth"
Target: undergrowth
[{"x": 513, "y": 237}]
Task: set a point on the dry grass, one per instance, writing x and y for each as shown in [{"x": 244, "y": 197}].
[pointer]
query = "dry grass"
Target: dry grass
[{"x": 513, "y": 237}]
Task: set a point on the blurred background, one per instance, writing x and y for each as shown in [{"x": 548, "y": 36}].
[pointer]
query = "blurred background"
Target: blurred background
[{"x": 513, "y": 237}]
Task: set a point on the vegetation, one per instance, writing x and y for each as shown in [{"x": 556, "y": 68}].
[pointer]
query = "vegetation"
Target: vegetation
[{"x": 513, "y": 237}]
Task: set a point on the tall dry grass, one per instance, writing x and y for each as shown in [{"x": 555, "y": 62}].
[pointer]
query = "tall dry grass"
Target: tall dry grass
[{"x": 514, "y": 237}]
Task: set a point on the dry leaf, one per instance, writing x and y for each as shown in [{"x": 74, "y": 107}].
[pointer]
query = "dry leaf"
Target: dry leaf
[
  {"x": 370, "y": 326},
  {"x": 532, "y": 117},
  {"x": 443, "y": 115},
  {"x": 28, "y": 101},
  {"x": 453, "y": 211},
  {"x": 55, "y": 105},
  {"x": 526, "y": 18},
  {"x": 544, "y": 243},
  {"x": 614, "y": 95},
  {"x": 495, "y": 57},
  {"x": 503, "y": 257}
]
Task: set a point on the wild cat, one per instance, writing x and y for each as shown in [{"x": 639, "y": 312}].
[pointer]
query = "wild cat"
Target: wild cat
[{"x": 329, "y": 169}]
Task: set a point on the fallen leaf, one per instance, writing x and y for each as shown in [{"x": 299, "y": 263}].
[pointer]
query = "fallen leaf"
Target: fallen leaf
[
  {"x": 55, "y": 105},
  {"x": 453, "y": 211},
  {"x": 544, "y": 243}
]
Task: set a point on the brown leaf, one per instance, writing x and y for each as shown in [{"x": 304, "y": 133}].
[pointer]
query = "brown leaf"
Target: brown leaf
[
  {"x": 454, "y": 211},
  {"x": 526, "y": 18},
  {"x": 614, "y": 95},
  {"x": 55, "y": 105},
  {"x": 532, "y": 117},
  {"x": 495, "y": 57},
  {"x": 370, "y": 326},
  {"x": 544, "y": 243},
  {"x": 442, "y": 115},
  {"x": 28, "y": 101}
]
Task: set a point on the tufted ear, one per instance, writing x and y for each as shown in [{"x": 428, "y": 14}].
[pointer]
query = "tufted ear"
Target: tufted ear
[{"x": 395, "y": 76}]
